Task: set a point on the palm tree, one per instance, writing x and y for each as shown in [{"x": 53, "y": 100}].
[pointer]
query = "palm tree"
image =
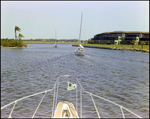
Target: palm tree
[
  {"x": 16, "y": 29},
  {"x": 142, "y": 43},
  {"x": 122, "y": 38},
  {"x": 133, "y": 42},
  {"x": 20, "y": 36}
]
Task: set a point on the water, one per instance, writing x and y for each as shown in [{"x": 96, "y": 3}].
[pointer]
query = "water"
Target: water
[{"x": 120, "y": 76}]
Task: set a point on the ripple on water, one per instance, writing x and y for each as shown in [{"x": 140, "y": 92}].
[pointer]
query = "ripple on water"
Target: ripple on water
[{"x": 121, "y": 77}]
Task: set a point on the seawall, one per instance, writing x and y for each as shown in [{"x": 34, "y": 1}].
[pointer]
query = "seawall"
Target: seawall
[
  {"x": 117, "y": 48},
  {"x": 95, "y": 47}
]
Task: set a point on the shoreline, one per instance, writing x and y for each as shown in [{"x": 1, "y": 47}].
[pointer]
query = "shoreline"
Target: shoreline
[
  {"x": 109, "y": 48},
  {"x": 130, "y": 49},
  {"x": 41, "y": 42},
  {"x": 117, "y": 48},
  {"x": 2, "y": 47}
]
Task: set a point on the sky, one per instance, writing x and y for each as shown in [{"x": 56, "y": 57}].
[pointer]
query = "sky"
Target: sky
[{"x": 61, "y": 19}]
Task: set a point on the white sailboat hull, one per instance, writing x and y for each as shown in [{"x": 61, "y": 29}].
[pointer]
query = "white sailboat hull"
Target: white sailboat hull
[
  {"x": 80, "y": 50},
  {"x": 79, "y": 53},
  {"x": 55, "y": 45}
]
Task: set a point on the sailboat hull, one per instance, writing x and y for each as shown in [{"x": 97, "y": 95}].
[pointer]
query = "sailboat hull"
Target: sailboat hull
[{"x": 79, "y": 53}]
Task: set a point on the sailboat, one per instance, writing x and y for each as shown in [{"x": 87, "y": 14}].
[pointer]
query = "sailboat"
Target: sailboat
[
  {"x": 55, "y": 45},
  {"x": 64, "y": 108},
  {"x": 80, "y": 50}
]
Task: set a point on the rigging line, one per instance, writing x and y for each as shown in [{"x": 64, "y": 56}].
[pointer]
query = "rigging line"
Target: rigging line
[
  {"x": 39, "y": 104},
  {"x": 55, "y": 34},
  {"x": 80, "y": 85},
  {"x": 80, "y": 102},
  {"x": 12, "y": 110},
  {"x": 122, "y": 112},
  {"x": 76, "y": 98},
  {"x": 131, "y": 112},
  {"x": 112, "y": 103},
  {"x": 95, "y": 106},
  {"x": 53, "y": 102},
  {"x": 108, "y": 101},
  {"x": 54, "y": 97},
  {"x": 25, "y": 98},
  {"x": 57, "y": 93}
]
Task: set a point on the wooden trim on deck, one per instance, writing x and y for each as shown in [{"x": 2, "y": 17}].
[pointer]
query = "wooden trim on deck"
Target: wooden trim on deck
[{"x": 59, "y": 110}]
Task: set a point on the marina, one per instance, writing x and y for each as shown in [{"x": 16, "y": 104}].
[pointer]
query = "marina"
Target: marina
[{"x": 58, "y": 63}]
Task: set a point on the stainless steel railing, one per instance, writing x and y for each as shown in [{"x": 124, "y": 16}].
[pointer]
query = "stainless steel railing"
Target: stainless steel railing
[{"x": 56, "y": 95}]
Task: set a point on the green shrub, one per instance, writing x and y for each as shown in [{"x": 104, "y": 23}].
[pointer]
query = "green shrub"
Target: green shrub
[
  {"x": 108, "y": 42},
  {"x": 133, "y": 42},
  {"x": 25, "y": 45},
  {"x": 92, "y": 42},
  {"x": 11, "y": 43},
  {"x": 99, "y": 41},
  {"x": 19, "y": 45},
  {"x": 89, "y": 40},
  {"x": 147, "y": 42},
  {"x": 142, "y": 43}
]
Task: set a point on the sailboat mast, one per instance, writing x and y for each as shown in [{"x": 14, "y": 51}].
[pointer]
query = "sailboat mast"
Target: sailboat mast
[
  {"x": 55, "y": 34},
  {"x": 80, "y": 26}
]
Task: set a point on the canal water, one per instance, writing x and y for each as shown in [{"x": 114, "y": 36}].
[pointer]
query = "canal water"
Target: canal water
[{"x": 119, "y": 76}]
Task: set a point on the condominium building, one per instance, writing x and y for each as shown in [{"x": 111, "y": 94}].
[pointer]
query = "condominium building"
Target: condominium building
[{"x": 114, "y": 37}]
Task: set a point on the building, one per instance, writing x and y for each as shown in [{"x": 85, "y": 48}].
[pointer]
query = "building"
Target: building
[{"x": 114, "y": 37}]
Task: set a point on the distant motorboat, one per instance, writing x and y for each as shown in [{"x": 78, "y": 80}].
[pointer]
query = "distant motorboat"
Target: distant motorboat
[{"x": 80, "y": 50}]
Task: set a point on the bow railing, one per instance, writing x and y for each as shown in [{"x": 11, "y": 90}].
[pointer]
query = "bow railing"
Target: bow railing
[{"x": 55, "y": 95}]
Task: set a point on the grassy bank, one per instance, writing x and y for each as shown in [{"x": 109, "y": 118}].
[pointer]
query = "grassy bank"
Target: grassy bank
[
  {"x": 43, "y": 42},
  {"x": 86, "y": 44},
  {"x": 111, "y": 46}
]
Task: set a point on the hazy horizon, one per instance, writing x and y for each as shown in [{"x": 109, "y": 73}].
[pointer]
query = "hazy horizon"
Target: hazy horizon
[{"x": 40, "y": 19}]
